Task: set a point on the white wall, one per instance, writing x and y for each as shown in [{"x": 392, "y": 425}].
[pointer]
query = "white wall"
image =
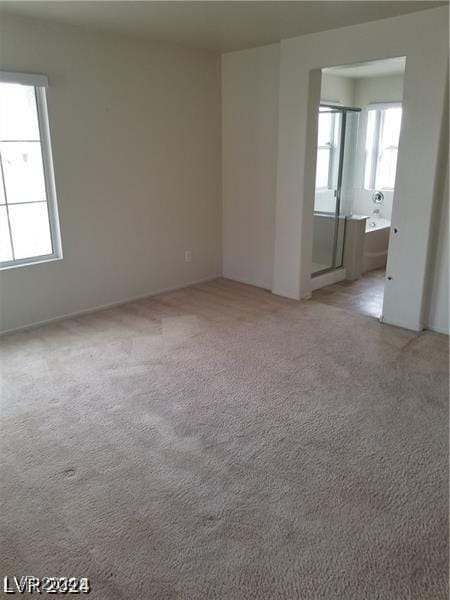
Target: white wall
[
  {"x": 136, "y": 142},
  {"x": 369, "y": 90},
  {"x": 250, "y": 82},
  {"x": 423, "y": 38},
  {"x": 336, "y": 89},
  {"x": 437, "y": 304},
  {"x": 437, "y": 313}
]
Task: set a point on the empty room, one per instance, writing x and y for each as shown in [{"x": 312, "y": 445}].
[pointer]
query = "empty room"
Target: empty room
[{"x": 224, "y": 300}]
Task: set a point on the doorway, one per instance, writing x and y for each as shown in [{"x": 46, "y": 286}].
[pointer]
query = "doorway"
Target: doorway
[{"x": 359, "y": 122}]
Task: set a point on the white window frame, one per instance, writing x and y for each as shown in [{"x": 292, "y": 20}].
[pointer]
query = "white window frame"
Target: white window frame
[
  {"x": 375, "y": 151},
  {"x": 40, "y": 84}
]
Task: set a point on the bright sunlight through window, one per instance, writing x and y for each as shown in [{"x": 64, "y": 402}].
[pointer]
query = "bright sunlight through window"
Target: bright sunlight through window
[
  {"x": 326, "y": 147},
  {"x": 383, "y": 133},
  {"x": 28, "y": 217}
]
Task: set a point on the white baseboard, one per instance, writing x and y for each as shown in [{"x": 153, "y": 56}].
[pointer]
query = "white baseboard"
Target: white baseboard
[
  {"x": 417, "y": 326},
  {"x": 403, "y": 324},
  {"x": 437, "y": 329},
  {"x": 101, "y": 307},
  {"x": 321, "y": 281},
  {"x": 246, "y": 281}
]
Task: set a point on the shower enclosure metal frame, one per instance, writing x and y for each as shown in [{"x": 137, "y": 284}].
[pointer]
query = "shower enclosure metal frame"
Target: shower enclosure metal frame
[{"x": 342, "y": 110}]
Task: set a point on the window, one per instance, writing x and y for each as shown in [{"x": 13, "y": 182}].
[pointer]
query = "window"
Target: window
[
  {"x": 326, "y": 147},
  {"x": 29, "y": 230},
  {"x": 383, "y": 133}
]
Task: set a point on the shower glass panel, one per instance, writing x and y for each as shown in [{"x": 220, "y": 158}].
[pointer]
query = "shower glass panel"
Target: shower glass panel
[{"x": 337, "y": 130}]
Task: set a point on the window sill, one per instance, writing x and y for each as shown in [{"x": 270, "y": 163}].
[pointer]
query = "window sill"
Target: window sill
[{"x": 29, "y": 262}]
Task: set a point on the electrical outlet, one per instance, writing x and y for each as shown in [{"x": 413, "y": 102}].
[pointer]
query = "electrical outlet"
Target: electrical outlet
[{"x": 187, "y": 256}]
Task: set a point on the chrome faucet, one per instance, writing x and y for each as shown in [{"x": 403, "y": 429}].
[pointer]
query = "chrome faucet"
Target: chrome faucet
[{"x": 378, "y": 197}]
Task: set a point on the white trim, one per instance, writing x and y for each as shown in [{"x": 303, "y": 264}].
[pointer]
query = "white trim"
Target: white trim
[
  {"x": 414, "y": 326},
  {"x": 34, "y": 79},
  {"x": 245, "y": 281},
  {"x": 28, "y": 262},
  {"x": 50, "y": 188},
  {"x": 334, "y": 276},
  {"x": 437, "y": 329},
  {"x": 384, "y": 105},
  {"x": 101, "y": 307},
  {"x": 49, "y": 174}
]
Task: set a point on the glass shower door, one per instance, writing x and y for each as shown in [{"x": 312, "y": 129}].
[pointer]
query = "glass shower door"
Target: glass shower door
[
  {"x": 327, "y": 188},
  {"x": 334, "y": 189}
]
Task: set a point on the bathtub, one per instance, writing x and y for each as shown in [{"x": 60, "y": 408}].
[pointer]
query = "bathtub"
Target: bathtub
[{"x": 376, "y": 243}]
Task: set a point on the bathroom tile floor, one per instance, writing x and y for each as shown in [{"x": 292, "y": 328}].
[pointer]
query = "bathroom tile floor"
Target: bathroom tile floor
[{"x": 364, "y": 296}]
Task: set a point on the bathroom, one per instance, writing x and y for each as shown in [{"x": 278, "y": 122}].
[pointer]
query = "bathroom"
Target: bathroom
[{"x": 359, "y": 126}]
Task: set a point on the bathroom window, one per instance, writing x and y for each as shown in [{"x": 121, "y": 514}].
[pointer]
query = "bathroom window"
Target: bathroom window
[
  {"x": 29, "y": 230},
  {"x": 383, "y": 134},
  {"x": 326, "y": 147}
]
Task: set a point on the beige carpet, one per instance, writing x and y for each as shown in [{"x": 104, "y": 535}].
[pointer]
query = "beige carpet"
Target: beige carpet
[{"x": 221, "y": 443}]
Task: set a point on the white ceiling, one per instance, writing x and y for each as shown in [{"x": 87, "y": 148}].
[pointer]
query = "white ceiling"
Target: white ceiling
[
  {"x": 216, "y": 25},
  {"x": 376, "y": 68}
]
